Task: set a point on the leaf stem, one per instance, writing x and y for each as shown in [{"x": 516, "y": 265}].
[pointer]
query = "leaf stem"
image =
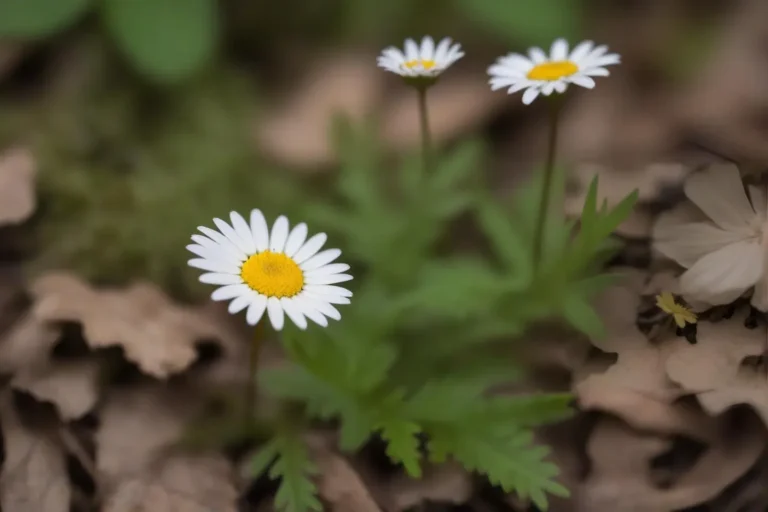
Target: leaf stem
[
  {"x": 426, "y": 136},
  {"x": 549, "y": 170}
]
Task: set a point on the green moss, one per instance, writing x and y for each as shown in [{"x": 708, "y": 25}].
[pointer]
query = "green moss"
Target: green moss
[{"x": 127, "y": 174}]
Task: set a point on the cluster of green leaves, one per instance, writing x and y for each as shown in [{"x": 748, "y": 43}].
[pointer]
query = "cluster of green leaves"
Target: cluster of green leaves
[
  {"x": 417, "y": 356},
  {"x": 166, "y": 40}
]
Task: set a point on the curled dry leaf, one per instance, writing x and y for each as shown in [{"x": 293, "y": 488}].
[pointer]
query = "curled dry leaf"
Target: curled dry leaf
[
  {"x": 155, "y": 334},
  {"x": 178, "y": 484},
  {"x": 297, "y": 133},
  {"x": 136, "y": 427},
  {"x": 34, "y": 474},
  {"x": 338, "y": 483},
  {"x": 458, "y": 104},
  {"x": 446, "y": 483},
  {"x": 621, "y": 475},
  {"x": 717, "y": 368},
  {"x": 27, "y": 343},
  {"x": 71, "y": 386},
  {"x": 18, "y": 169}
]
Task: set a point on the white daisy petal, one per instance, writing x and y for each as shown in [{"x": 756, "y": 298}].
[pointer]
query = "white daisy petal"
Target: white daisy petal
[
  {"x": 279, "y": 234},
  {"x": 723, "y": 275},
  {"x": 329, "y": 279},
  {"x": 320, "y": 259},
  {"x": 221, "y": 279},
  {"x": 229, "y": 292},
  {"x": 310, "y": 248},
  {"x": 427, "y": 48},
  {"x": 243, "y": 230},
  {"x": 322, "y": 289},
  {"x": 537, "y": 55},
  {"x": 442, "y": 49},
  {"x": 595, "y": 72},
  {"x": 229, "y": 232},
  {"x": 530, "y": 95},
  {"x": 295, "y": 239},
  {"x": 561, "y": 86},
  {"x": 294, "y": 313},
  {"x": 213, "y": 254},
  {"x": 223, "y": 243},
  {"x": 580, "y": 51},
  {"x": 260, "y": 230},
  {"x": 213, "y": 266},
  {"x": 256, "y": 310},
  {"x": 607, "y": 60},
  {"x": 240, "y": 303},
  {"x": 334, "y": 268},
  {"x": 411, "y": 50},
  {"x": 310, "y": 312},
  {"x": 719, "y": 192},
  {"x": 275, "y": 313},
  {"x": 548, "y": 88},
  {"x": 324, "y": 308},
  {"x": 331, "y": 299},
  {"x": 583, "y": 81},
  {"x": 559, "y": 50}
]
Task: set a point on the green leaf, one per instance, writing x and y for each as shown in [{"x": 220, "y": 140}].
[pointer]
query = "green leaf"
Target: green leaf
[
  {"x": 506, "y": 241},
  {"x": 167, "y": 40},
  {"x": 402, "y": 444},
  {"x": 33, "y": 19},
  {"x": 294, "y": 469},
  {"x": 526, "y": 21},
  {"x": 581, "y": 315},
  {"x": 456, "y": 167},
  {"x": 263, "y": 459}
]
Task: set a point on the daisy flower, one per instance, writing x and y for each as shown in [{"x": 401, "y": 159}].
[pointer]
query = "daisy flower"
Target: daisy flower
[
  {"x": 539, "y": 73},
  {"x": 279, "y": 271},
  {"x": 421, "y": 61},
  {"x": 720, "y": 237}
]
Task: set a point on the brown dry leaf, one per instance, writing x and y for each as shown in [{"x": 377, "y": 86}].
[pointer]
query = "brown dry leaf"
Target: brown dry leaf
[
  {"x": 639, "y": 367},
  {"x": 155, "y": 334},
  {"x": 71, "y": 386},
  {"x": 446, "y": 483},
  {"x": 457, "y": 104},
  {"x": 136, "y": 427},
  {"x": 715, "y": 370},
  {"x": 338, "y": 483},
  {"x": 296, "y": 133},
  {"x": 621, "y": 476},
  {"x": 18, "y": 169},
  {"x": 178, "y": 484},
  {"x": 34, "y": 475},
  {"x": 28, "y": 343}
]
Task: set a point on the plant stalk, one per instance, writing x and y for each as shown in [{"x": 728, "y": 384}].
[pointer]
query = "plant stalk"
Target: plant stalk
[
  {"x": 251, "y": 391},
  {"x": 426, "y": 135},
  {"x": 549, "y": 170}
]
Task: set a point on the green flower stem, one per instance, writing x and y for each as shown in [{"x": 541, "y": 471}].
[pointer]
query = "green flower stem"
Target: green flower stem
[
  {"x": 251, "y": 391},
  {"x": 426, "y": 136},
  {"x": 549, "y": 170}
]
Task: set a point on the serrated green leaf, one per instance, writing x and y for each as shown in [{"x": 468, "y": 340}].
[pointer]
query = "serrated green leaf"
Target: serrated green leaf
[
  {"x": 532, "y": 23},
  {"x": 402, "y": 444},
  {"x": 166, "y": 40},
  {"x": 33, "y": 19},
  {"x": 513, "y": 250},
  {"x": 294, "y": 468},
  {"x": 529, "y": 410},
  {"x": 263, "y": 459}
]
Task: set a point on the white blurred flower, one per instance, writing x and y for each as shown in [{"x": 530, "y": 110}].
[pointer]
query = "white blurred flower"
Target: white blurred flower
[
  {"x": 279, "y": 271},
  {"x": 421, "y": 61},
  {"x": 540, "y": 73},
  {"x": 721, "y": 238}
]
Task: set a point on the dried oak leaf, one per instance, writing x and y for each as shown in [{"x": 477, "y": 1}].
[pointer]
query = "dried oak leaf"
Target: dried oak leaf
[
  {"x": 179, "y": 484},
  {"x": 18, "y": 169},
  {"x": 639, "y": 366},
  {"x": 136, "y": 428},
  {"x": 621, "y": 476},
  {"x": 297, "y": 133},
  {"x": 72, "y": 386},
  {"x": 458, "y": 104},
  {"x": 34, "y": 474},
  {"x": 717, "y": 368},
  {"x": 155, "y": 334}
]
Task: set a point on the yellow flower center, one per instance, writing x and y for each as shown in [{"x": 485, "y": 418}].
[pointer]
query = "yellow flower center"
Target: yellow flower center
[
  {"x": 272, "y": 274},
  {"x": 552, "y": 70},
  {"x": 426, "y": 64}
]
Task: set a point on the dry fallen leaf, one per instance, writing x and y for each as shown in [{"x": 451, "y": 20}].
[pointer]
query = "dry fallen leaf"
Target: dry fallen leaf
[
  {"x": 17, "y": 185},
  {"x": 72, "y": 386},
  {"x": 445, "y": 484},
  {"x": 34, "y": 474},
  {"x": 136, "y": 428},
  {"x": 28, "y": 343},
  {"x": 458, "y": 104},
  {"x": 155, "y": 334},
  {"x": 296, "y": 133},
  {"x": 715, "y": 368},
  {"x": 178, "y": 484}
]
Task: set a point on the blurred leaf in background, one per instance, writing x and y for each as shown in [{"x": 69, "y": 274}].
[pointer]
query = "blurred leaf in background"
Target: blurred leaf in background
[{"x": 34, "y": 19}]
